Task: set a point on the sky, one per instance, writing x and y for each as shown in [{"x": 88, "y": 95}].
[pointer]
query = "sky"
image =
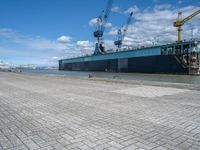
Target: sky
[{"x": 41, "y": 32}]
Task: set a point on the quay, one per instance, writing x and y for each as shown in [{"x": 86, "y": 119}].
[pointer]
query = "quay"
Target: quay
[{"x": 54, "y": 112}]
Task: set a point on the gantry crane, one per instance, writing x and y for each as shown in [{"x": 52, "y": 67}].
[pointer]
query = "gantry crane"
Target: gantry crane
[
  {"x": 122, "y": 33},
  {"x": 180, "y": 22},
  {"x": 101, "y": 23}
]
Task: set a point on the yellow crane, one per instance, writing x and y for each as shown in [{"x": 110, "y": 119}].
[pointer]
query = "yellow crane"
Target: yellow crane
[{"x": 180, "y": 22}]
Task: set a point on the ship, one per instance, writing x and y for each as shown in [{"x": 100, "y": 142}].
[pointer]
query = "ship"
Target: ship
[
  {"x": 180, "y": 57},
  {"x": 175, "y": 58}
]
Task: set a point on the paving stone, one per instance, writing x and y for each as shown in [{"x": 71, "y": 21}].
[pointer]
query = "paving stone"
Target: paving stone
[
  {"x": 102, "y": 147},
  {"x": 160, "y": 148},
  {"x": 129, "y": 142},
  {"x": 116, "y": 145},
  {"x": 85, "y": 147},
  {"x": 130, "y": 147},
  {"x": 22, "y": 147},
  {"x": 31, "y": 145},
  {"x": 6, "y": 144},
  {"x": 58, "y": 146},
  {"x": 47, "y": 148},
  {"x": 54, "y": 112},
  {"x": 14, "y": 140},
  {"x": 184, "y": 145}
]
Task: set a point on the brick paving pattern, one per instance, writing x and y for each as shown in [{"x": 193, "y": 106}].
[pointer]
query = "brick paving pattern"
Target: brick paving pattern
[{"x": 40, "y": 112}]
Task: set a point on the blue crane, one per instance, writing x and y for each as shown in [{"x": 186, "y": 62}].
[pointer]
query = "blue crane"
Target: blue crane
[
  {"x": 101, "y": 23},
  {"x": 122, "y": 33}
]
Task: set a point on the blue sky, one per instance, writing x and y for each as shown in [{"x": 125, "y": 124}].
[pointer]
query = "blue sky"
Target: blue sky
[{"x": 42, "y": 31}]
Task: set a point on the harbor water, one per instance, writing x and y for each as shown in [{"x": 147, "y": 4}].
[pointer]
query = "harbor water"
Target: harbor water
[{"x": 122, "y": 76}]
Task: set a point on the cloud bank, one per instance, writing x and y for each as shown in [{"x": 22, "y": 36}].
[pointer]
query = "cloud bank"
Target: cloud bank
[
  {"x": 64, "y": 39},
  {"x": 149, "y": 26},
  {"x": 155, "y": 25}
]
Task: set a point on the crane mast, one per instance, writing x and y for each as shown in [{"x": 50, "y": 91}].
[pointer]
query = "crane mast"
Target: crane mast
[
  {"x": 101, "y": 23},
  {"x": 122, "y": 33},
  {"x": 180, "y": 22}
]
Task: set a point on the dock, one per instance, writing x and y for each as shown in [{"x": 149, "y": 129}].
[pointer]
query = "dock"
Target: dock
[{"x": 55, "y": 112}]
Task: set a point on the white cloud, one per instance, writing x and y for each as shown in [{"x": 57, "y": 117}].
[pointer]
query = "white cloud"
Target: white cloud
[
  {"x": 54, "y": 58},
  {"x": 113, "y": 31},
  {"x": 93, "y": 22},
  {"x": 7, "y": 33},
  {"x": 155, "y": 25},
  {"x": 115, "y": 9},
  {"x": 108, "y": 25},
  {"x": 133, "y": 9},
  {"x": 83, "y": 43},
  {"x": 42, "y": 43},
  {"x": 40, "y": 50},
  {"x": 64, "y": 39},
  {"x": 33, "y": 42},
  {"x": 109, "y": 44},
  {"x": 150, "y": 25},
  {"x": 162, "y": 7}
]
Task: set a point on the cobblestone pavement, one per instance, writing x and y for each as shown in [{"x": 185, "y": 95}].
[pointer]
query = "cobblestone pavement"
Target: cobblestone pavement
[{"x": 55, "y": 112}]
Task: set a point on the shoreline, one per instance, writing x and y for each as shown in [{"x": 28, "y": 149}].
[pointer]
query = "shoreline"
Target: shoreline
[{"x": 121, "y": 81}]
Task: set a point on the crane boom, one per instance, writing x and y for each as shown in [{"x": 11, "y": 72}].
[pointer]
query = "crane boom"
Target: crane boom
[
  {"x": 107, "y": 13},
  {"x": 101, "y": 23},
  {"x": 127, "y": 25},
  {"x": 181, "y": 22},
  {"x": 122, "y": 34},
  {"x": 191, "y": 16}
]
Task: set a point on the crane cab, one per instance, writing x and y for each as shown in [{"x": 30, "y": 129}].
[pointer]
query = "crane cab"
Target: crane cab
[{"x": 98, "y": 34}]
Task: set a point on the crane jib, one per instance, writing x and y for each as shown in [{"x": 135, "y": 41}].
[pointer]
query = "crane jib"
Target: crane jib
[
  {"x": 101, "y": 24},
  {"x": 191, "y": 16},
  {"x": 181, "y": 22}
]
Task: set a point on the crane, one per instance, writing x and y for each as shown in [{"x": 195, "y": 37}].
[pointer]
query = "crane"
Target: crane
[
  {"x": 180, "y": 22},
  {"x": 101, "y": 23},
  {"x": 121, "y": 34}
]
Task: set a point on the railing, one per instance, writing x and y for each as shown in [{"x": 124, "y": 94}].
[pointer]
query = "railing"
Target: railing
[{"x": 180, "y": 60}]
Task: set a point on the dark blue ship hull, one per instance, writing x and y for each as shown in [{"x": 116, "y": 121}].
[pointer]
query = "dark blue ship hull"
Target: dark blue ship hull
[
  {"x": 148, "y": 64},
  {"x": 174, "y": 58}
]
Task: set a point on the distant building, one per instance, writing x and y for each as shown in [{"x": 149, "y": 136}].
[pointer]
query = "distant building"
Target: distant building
[{"x": 4, "y": 65}]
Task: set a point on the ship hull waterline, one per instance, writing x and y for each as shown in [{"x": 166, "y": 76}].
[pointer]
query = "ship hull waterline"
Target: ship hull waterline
[{"x": 165, "y": 64}]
